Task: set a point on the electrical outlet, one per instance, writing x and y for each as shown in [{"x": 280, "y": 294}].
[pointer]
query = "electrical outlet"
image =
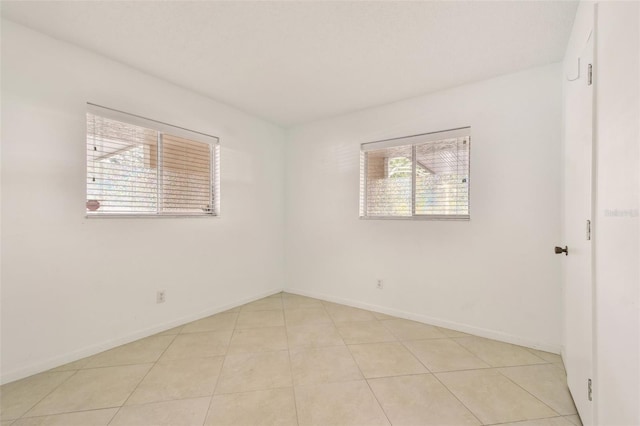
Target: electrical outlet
[
  {"x": 379, "y": 285},
  {"x": 160, "y": 296}
]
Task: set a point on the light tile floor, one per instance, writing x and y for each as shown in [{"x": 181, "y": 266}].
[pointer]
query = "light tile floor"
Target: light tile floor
[{"x": 292, "y": 360}]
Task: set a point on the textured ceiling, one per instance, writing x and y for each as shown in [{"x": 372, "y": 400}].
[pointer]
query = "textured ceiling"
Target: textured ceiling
[{"x": 293, "y": 62}]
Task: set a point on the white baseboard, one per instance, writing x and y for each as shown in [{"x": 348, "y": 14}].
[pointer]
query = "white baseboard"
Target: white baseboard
[
  {"x": 465, "y": 328},
  {"x": 44, "y": 365}
]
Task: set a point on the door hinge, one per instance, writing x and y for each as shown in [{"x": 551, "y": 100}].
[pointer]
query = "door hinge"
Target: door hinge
[
  {"x": 589, "y": 390},
  {"x": 590, "y": 75},
  {"x": 588, "y": 230}
]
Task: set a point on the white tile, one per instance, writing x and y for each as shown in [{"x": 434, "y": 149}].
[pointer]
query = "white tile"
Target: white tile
[
  {"x": 274, "y": 407},
  {"x": 178, "y": 379},
  {"x": 344, "y": 404},
  {"x": 198, "y": 345},
  {"x": 19, "y": 396},
  {"x": 323, "y": 365},
  {"x": 546, "y": 382},
  {"x": 364, "y": 332},
  {"x": 184, "y": 412},
  {"x": 92, "y": 389},
  {"x": 217, "y": 322},
  {"x": 492, "y": 397},
  {"x": 420, "y": 400},
  {"x": 412, "y": 330},
  {"x": 499, "y": 354},
  {"x": 385, "y": 359},
  {"x": 139, "y": 352},
  {"x": 79, "y": 418},
  {"x": 254, "y": 319},
  {"x": 444, "y": 355},
  {"x": 266, "y": 339},
  {"x": 314, "y": 336},
  {"x": 254, "y": 371}
]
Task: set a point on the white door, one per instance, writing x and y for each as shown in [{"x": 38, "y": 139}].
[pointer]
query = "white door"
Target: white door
[{"x": 578, "y": 281}]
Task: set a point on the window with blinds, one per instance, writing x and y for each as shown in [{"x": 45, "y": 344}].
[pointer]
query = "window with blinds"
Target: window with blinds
[
  {"x": 137, "y": 166},
  {"x": 421, "y": 177}
]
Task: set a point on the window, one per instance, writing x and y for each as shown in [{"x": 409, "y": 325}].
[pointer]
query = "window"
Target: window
[
  {"x": 422, "y": 177},
  {"x": 137, "y": 166}
]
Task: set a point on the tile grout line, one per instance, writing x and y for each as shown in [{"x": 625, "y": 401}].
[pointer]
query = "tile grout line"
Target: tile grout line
[
  {"x": 242, "y": 391},
  {"x": 571, "y": 415},
  {"x": 324, "y": 305},
  {"x": 224, "y": 360},
  {"x": 544, "y": 361},
  {"x": 540, "y": 350},
  {"x": 293, "y": 387},
  {"x": 402, "y": 342},
  {"x": 526, "y": 420},
  {"x": 106, "y": 408},
  {"x": 377, "y": 400},
  {"x": 521, "y": 387},
  {"x": 458, "y": 399},
  {"x": 470, "y": 352},
  {"x": 142, "y": 379},
  {"x": 64, "y": 413},
  {"x": 445, "y": 386},
  {"x": 42, "y": 399},
  {"x": 360, "y": 369},
  {"x": 497, "y": 370}
]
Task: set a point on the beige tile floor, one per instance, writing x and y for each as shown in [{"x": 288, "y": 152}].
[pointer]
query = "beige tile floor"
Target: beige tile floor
[{"x": 292, "y": 360}]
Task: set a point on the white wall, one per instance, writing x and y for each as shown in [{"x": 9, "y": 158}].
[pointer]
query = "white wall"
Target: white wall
[
  {"x": 617, "y": 225},
  {"x": 73, "y": 286},
  {"x": 495, "y": 275}
]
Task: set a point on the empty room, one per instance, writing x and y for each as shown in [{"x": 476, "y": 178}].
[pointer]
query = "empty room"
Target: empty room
[{"x": 320, "y": 213}]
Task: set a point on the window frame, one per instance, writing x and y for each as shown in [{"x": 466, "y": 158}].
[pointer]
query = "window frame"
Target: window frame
[
  {"x": 161, "y": 128},
  {"x": 413, "y": 141}
]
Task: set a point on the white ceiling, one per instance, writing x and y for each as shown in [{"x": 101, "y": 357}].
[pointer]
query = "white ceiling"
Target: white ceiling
[{"x": 293, "y": 62}]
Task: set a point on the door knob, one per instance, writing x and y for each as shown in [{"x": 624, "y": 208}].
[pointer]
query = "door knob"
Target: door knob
[{"x": 564, "y": 250}]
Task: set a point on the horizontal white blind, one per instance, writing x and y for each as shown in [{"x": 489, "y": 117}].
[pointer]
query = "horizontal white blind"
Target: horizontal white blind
[
  {"x": 422, "y": 176},
  {"x": 186, "y": 175},
  {"x": 442, "y": 177},
  {"x": 138, "y": 170},
  {"x": 388, "y": 181},
  {"x": 121, "y": 167}
]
